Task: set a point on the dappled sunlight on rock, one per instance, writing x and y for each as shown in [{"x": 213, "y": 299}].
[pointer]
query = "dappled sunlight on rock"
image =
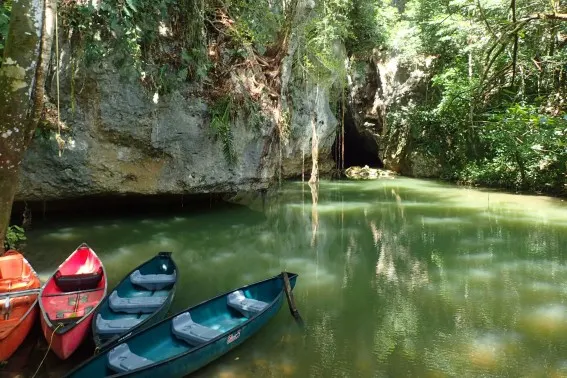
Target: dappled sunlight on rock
[
  {"x": 44, "y": 276},
  {"x": 335, "y": 207},
  {"x": 432, "y": 221},
  {"x": 482, "y": 257},
  {"x": 319, "y": 278},
  {"x": 230, "y": 374},
  {"x": 546, "y": 321},
  {"x": 544, "y": 291},
  {"x": 474, "y": 276},
  {"x": 266, "y": 237},
  {"x": 489, "y": 350},
  {"x": 433, "y": 373},
  {"x": 62, "y": 235},
  {"x": 543, "y": 270},
  {"x": 471, "y": 353},
  {"x": 222, "y": 257},
  {"x": 480, "y": 275},
  {"x": 480, "y": 242},
  {"x": 122, "y": 253},
  {"x": 287, "y": 369},
  {"x": 559, "y": 370}
]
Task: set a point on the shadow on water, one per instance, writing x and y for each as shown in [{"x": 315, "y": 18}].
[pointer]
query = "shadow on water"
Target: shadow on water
[{"x": 28, "y": 357}]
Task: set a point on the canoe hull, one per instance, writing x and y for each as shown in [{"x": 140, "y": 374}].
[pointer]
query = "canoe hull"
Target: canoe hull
[
  {"x": 63, "y": 345},
  {"x": 17, "y": 275},
  {"x": 192, "y": 362},
  {"x": 9, "y": 345},
  {"x": 66, "y": 316}
]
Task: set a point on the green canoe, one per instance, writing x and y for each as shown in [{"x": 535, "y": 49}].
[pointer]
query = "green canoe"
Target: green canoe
[
  {"x": 140, "y": 300},
  {"x": 192, "y": 338}
]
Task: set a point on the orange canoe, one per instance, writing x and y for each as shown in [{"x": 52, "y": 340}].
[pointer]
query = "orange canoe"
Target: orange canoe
[{"x": 17, "y": 311}]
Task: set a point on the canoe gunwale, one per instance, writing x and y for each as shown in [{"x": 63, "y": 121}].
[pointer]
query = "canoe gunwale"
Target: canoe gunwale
[
  {"x": 169, "y": 299},
  {"x": 224, "y": 334},
  {"x": 22, "y": 318},
  {"x": 68, "y": 327},
  {"x": 20, "y": 293}
]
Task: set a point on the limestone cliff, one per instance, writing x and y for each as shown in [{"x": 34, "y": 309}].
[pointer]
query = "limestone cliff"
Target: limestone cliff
[
  {"x": 382, "y": 84},
  {"x": 123, "y": 140}
]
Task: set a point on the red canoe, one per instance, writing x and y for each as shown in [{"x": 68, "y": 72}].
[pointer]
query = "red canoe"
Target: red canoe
[
  {"x": 18, "y": 300},
  {"x": 69, "y": 298}
]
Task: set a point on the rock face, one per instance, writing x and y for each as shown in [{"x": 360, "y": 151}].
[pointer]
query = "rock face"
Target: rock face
[
  {"x": 121, "y": 141},
  {"x": 378, "y": 86}
]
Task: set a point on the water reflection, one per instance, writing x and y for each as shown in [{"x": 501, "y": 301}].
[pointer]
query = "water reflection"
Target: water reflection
[{"x": 397, "y": 277}]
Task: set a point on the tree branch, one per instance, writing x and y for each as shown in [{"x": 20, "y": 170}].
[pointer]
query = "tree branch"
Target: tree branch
[
  {"x": 483, "y": 15},
  {"x": 546, "y": 16},
  {"x": 515, "y": 49}
]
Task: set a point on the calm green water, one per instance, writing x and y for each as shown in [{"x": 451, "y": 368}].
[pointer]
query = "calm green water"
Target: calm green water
[{"x": 397, "y": 277}]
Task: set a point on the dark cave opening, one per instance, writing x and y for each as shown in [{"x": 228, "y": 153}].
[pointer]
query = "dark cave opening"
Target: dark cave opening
[{"x": 359, "y": 149}]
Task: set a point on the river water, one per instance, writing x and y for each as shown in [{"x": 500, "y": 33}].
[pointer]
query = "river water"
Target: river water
[{"x": 397, "y": 277}]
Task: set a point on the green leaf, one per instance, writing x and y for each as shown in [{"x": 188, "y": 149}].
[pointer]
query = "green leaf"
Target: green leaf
[
  {"x": 185, "y": 56},
  {"x": 132, "y": 5},
  {"x": 182, "y": 74}
]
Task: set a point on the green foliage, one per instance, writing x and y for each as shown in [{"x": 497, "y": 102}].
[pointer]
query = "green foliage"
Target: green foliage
[
  {"x": 322, "y": 57},
  {"x": 15, "y": 235},
  {"x": 490, "y": 112},
  {"x": 155, "y": 40},
  {"x": 526, "y": 150},
  {"x": 285, "y": 126},
  {"x": 337, "y": 29},
  {"x": 5, "y": 10},
  {"x": 365, "y": 32},
  {"x": 257, "y": 23},
  {"x": 223, "y": 113},
  {"x": 43, "y": 133}
]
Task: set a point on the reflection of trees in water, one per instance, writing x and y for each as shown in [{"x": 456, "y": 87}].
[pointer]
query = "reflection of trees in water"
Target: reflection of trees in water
[
  {"x": 360, "y": 325},
  {"x": 314, "y": 214},
  {"x": 397, "y": 328},
  {"x": 325, "y": 343}
]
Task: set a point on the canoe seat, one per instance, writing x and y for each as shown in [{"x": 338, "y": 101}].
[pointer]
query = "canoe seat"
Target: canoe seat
[
  {"x": 152, "y": 281},
  {"x": 247, "y": 306},
  {"x": 114, "y": 326},
  {"x": 75, "y": 282},
  {"x": 122, "y": 360},
  {"x": 186, "y": 329},
  {"x": 145, "y": 305}
]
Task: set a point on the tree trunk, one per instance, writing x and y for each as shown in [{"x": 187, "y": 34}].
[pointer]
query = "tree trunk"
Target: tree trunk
[{"x": 22, "y": 80}]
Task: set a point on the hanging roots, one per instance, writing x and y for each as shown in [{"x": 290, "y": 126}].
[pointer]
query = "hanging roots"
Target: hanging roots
[{"x": 60, "y": 143}]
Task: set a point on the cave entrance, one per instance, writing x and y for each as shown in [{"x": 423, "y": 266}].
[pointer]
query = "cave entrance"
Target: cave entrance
[{"x": 359, "y": 149}]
